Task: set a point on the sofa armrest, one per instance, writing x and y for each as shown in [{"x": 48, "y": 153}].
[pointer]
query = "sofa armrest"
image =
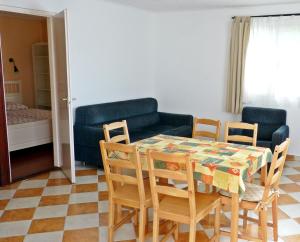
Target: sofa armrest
[
  {"x": 87, "y": 135},
  {"x": 280, "y": 135},
  {"x": 176, "y": 119}
]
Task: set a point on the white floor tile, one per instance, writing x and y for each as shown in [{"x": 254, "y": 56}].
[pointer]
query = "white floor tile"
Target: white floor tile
[
  {"x": 295, "y": 195},
  {"x": 285, "y": 180},
  {"x": 56, "y": 174},
  {"x": 126, "y": 232},
  {"x": 293, "y": 163},
  {"x": 292, "y": 210},
  {"x": 57, "y": 190},
  {"x": 102, "y": 186},
  {"x": 86, "y": 179},
  {"x": 288, "y": 227},
  {"x": 83, "y": 197},
  {"x": 103, "y": 206},
  {"x": 100, "y": 172},
  {"x": 51, "y": 211},
  {"x": 289, "y": 171},
  {"x": 45, "y": 237},
  {"x": 10, "y": 229},
  {"x": 28, "y": 202},
  {"x": 7, "y": 194},
  {"x": 82, "y": 221},
  {"x": 33, "y": 184}
]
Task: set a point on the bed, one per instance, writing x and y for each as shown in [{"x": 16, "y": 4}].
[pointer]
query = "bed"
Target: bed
[{"x": 26, "y": 127}]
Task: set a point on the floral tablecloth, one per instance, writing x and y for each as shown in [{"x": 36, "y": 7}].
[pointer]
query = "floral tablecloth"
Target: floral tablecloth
[{"x": 223, "y": 165}]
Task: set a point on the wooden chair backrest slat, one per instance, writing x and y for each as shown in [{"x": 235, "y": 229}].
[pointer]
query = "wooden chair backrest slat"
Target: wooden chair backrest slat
[
  {"x": 208, "y": 134},
  {"x": 118, "y": 138},
  {"x": 241, "y": 138},
  {"x": 180, "y": 160},
  {"x": 171, "y": 191},
  {"x": 113, "y": 173},
  {"x": 276, "y": 168},
  {"x": 176, "y": 175}
]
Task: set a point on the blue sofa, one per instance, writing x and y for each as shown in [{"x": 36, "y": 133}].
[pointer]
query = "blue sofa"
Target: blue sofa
[
  {"x": 142, "y": 118},
  {"x": 272, "y": 128}
]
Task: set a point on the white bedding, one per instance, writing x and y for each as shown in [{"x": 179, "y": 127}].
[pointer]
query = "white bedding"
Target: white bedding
[{"x": 27, "y": 116}]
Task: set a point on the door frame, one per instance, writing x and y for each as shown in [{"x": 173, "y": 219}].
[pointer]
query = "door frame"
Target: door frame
[
  {"x": 48, "y": 15},
  {"x": 5, "y": 170}
]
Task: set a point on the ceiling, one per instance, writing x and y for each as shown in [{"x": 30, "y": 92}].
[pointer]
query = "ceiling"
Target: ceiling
[{"x": 169, "y": 5}]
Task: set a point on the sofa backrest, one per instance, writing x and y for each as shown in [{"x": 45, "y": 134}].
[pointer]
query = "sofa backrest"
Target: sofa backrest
[
  {"x": 268, "y": 120},
  {"x": 110, "y": 112}
]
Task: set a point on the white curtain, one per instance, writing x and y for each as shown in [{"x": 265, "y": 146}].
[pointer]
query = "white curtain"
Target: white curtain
[{"x": 272, "y": 71}]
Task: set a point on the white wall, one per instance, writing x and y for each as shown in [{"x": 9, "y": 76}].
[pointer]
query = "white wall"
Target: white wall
[
  {"x": 109, "y": 48},
  {"x": 119, "y": 52},
  {"x": 192, "y": 50}
]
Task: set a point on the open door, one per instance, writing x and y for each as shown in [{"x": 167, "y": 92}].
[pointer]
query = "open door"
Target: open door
[
  {"x": 5, "y": 174},
  {"x": 65, "y": 147}
]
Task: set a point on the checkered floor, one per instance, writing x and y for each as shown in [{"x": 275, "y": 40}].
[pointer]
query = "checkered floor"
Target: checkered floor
[{"x": 48, "y": 208}]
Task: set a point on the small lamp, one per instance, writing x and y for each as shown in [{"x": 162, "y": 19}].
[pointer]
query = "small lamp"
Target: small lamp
[{"x": 11, "y": 60}]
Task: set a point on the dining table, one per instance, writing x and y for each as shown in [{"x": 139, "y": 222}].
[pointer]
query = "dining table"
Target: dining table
[{"x": 225, "y": 166}]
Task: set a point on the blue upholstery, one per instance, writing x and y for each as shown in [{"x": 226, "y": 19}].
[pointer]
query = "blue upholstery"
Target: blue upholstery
[
  {"x": 272, "y": 128},
  {"x": 143, "y": 121}
]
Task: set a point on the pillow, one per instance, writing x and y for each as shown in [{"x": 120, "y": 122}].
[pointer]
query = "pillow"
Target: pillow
[{"x": 11, "y": 106}]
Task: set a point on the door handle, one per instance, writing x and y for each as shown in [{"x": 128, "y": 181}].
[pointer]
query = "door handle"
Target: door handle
[{"x": 64, "y": 99}]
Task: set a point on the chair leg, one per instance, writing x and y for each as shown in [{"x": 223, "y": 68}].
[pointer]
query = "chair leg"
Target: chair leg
[
  {"x": 207, "y": 188},
  {"x": 275, "y": 218},
  {"x": 192, "y": 237},
  {"x": 155, "y": 226},
  {"x": 217, "y": 222},
  {"x": 176, "y": 232},
  {"x": 142, "y": 224},
  {"x": 196, "y": 185},
  {"x": 263, "y": 224},
  {"x": 245, "y": 215},
  {"x": 136, "y": 217},
  {"x": 111, "y": 222}
]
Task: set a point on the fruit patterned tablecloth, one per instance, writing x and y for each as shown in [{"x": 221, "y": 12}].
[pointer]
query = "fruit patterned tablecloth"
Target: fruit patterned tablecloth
[{"x": 223, "y": 165}]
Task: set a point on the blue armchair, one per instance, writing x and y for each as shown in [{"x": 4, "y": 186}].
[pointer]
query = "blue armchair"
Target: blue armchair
[{"x": 272, "y": 128}]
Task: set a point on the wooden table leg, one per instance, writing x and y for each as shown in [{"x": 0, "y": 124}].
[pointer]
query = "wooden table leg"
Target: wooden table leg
[
  {"x": 234, "y": 217},
  {"x": 263, "y": 175}
]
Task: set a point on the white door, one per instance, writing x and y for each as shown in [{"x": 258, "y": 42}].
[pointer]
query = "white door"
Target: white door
[{"x": 65, "y": 148}]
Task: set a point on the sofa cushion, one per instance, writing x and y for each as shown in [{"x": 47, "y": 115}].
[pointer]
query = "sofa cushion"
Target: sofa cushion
[
  {"x": 183, "y": 131},
  {"x": 110, "y": 112},
  {"x": 264, "y": 143},
  {"x": 142, "y": 121}
]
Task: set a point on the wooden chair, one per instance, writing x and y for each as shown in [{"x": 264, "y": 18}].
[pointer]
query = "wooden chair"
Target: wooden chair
[
  {"x": 179, "y": 205},
  {"x": 241, "y": 138},
  {"x": 124, "y": 190},
  {"x": 258, "y": 198},
  {"x": 208, "y": 134},
  {"x": 107, "y": 128}
]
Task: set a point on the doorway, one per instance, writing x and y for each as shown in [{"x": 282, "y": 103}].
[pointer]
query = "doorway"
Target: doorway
[
  {"x": 45, "y": 142},
  {"x": 27, "y": 93}
]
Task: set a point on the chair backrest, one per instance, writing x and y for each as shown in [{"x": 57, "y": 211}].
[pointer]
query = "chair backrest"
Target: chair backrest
[
  {"x": 184, "y": 174},
  {"x": 276, "y": 167},
  {"x": 118, "y": 138},
  {"x": 113, "y": 166},
  {"x": 203, "y": 133},
  {"x": 241, "y": 137}
]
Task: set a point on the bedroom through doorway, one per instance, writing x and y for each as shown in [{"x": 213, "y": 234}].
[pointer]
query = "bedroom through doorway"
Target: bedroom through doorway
[{"x": 25, "y": 57}]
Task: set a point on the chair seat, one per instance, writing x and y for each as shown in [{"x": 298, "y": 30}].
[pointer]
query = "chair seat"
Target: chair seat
[
  {"x": 253, "y": 193},
  {"x": 129, "y": 194},
  {"x": 175, "y": 205}
]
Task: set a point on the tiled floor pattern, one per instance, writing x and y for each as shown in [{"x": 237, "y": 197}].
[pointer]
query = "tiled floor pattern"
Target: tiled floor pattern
[{"x": 47, "y": 208}]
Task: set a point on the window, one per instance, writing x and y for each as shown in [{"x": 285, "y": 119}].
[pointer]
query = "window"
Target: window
[{"x": 272, "y": 71}]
